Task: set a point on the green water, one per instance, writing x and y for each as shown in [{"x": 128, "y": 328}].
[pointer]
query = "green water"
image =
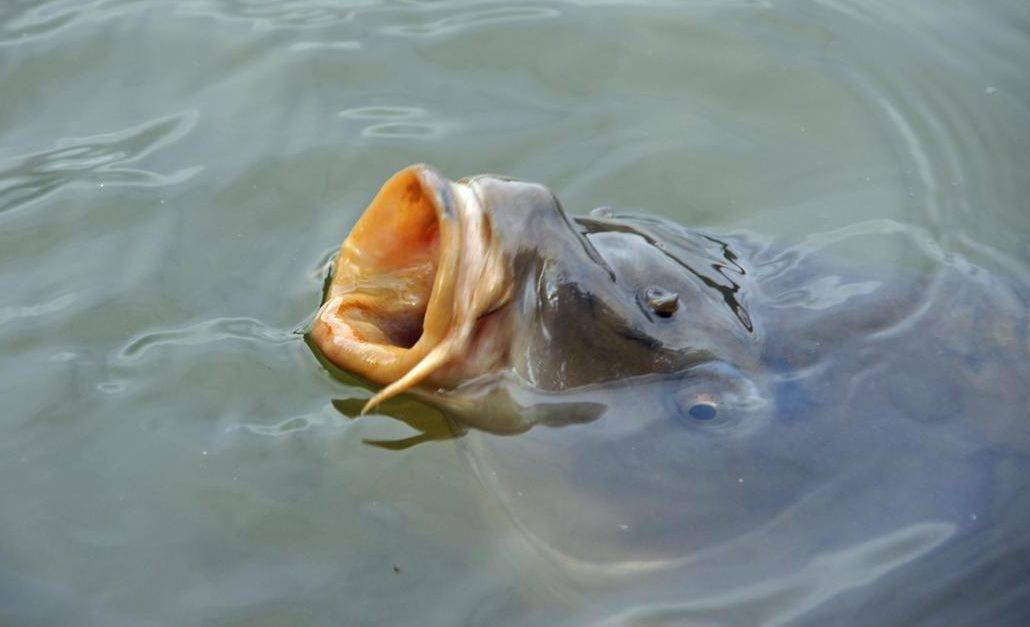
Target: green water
[{"x": 174, "y": 175}]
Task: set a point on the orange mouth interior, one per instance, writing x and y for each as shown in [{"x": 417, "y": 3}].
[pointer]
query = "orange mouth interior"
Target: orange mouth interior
[{"x": 390, "y": 299}]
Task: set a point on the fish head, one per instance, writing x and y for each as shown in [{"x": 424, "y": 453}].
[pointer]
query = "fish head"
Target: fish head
[{"x": 448, "y": 285}]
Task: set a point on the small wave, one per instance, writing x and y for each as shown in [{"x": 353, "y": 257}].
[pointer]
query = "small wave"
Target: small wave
[
  {"x": 818, "y": 241},
  {"x": 786, "y": 599},
  {"x": 826, "y": 292},
  {"x": 207, "y": 332},
  {"x": 472, "y": 19},
  {"x": 287, "y": 426},
  {"x": 404, "y": 130},
  {"x": 98, "y": 160},
  {"x": 308, "y": 46},
  {"x": 25, "y": 19},
  {"x": 7, "y": 314},
  {"x": 385, "y": 112},
  {"x": 279, "y": 13},
  {"x": 396, "y": 122},
  {"x": 112, "y": 387}
]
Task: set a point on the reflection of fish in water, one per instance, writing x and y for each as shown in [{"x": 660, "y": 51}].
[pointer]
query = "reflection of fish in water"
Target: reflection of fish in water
[{"x": 743, "y": 437}]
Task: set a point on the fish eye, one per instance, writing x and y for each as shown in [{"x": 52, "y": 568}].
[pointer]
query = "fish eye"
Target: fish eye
[
  {"x": 662, "y": 302},
  {"x": 715, "y": 399},
  {"x": 702, "y": 411},
  {"x": 694, "y": 407}
]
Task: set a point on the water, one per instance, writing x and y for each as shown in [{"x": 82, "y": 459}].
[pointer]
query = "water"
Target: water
[{"x": 173, "y": 177}]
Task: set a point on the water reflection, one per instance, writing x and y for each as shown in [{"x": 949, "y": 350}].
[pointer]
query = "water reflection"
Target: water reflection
[{"x": 430, "y": 425}]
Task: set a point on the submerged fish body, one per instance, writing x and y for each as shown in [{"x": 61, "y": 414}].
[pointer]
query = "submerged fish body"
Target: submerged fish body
[{"x": 724, "y": 432}]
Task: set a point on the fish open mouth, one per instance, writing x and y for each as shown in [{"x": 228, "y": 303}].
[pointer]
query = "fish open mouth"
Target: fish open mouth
[{"x": 410, "y": 281}]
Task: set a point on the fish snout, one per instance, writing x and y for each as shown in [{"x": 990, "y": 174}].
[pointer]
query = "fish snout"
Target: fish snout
[{"x": 410, "y": 283}]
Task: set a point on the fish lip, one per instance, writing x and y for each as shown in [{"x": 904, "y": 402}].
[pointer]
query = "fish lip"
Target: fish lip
[
  {"x": 338, "y": 338},
  {"x": 453, "y": 303},
  {"x": 444, "y": 199}
]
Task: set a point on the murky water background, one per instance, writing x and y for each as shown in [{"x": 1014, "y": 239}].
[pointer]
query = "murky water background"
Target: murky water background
[{"x": 173, "y": 175}]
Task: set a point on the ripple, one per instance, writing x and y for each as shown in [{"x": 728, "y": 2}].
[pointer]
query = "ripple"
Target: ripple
[
  {"x": 25, "y": 19},
  {"x": 287, "y": 426},
  {"x": 817, "y": 242},
  {"x": 207, "y": 332},
  {"x": 403, "y": 130},
  {"x": 397, "y": 122},
  {"x": 466, "y": 20},
  {"x": 786, "y": 599},
  {"x": 385, "y": 112},
  {"x": 112, "y": 387},
  {"x": 7, "y": 314},
  {"x": 98, "y": 160},
  {"x": 308, "y": 46},
  {"x": 279, "y": 13},
  {"x": 826, "y": 292},
  {"x": 928, "y": 91}
]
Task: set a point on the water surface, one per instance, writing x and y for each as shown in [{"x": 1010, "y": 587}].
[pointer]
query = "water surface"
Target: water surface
[{"x": 173, "y": 176}]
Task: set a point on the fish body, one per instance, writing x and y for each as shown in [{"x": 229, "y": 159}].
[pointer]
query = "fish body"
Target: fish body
[{"x": 709, "y": 429}]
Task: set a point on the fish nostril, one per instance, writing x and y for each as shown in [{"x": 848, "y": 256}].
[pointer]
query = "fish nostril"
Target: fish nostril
[{"x": 661, "y": 301}]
